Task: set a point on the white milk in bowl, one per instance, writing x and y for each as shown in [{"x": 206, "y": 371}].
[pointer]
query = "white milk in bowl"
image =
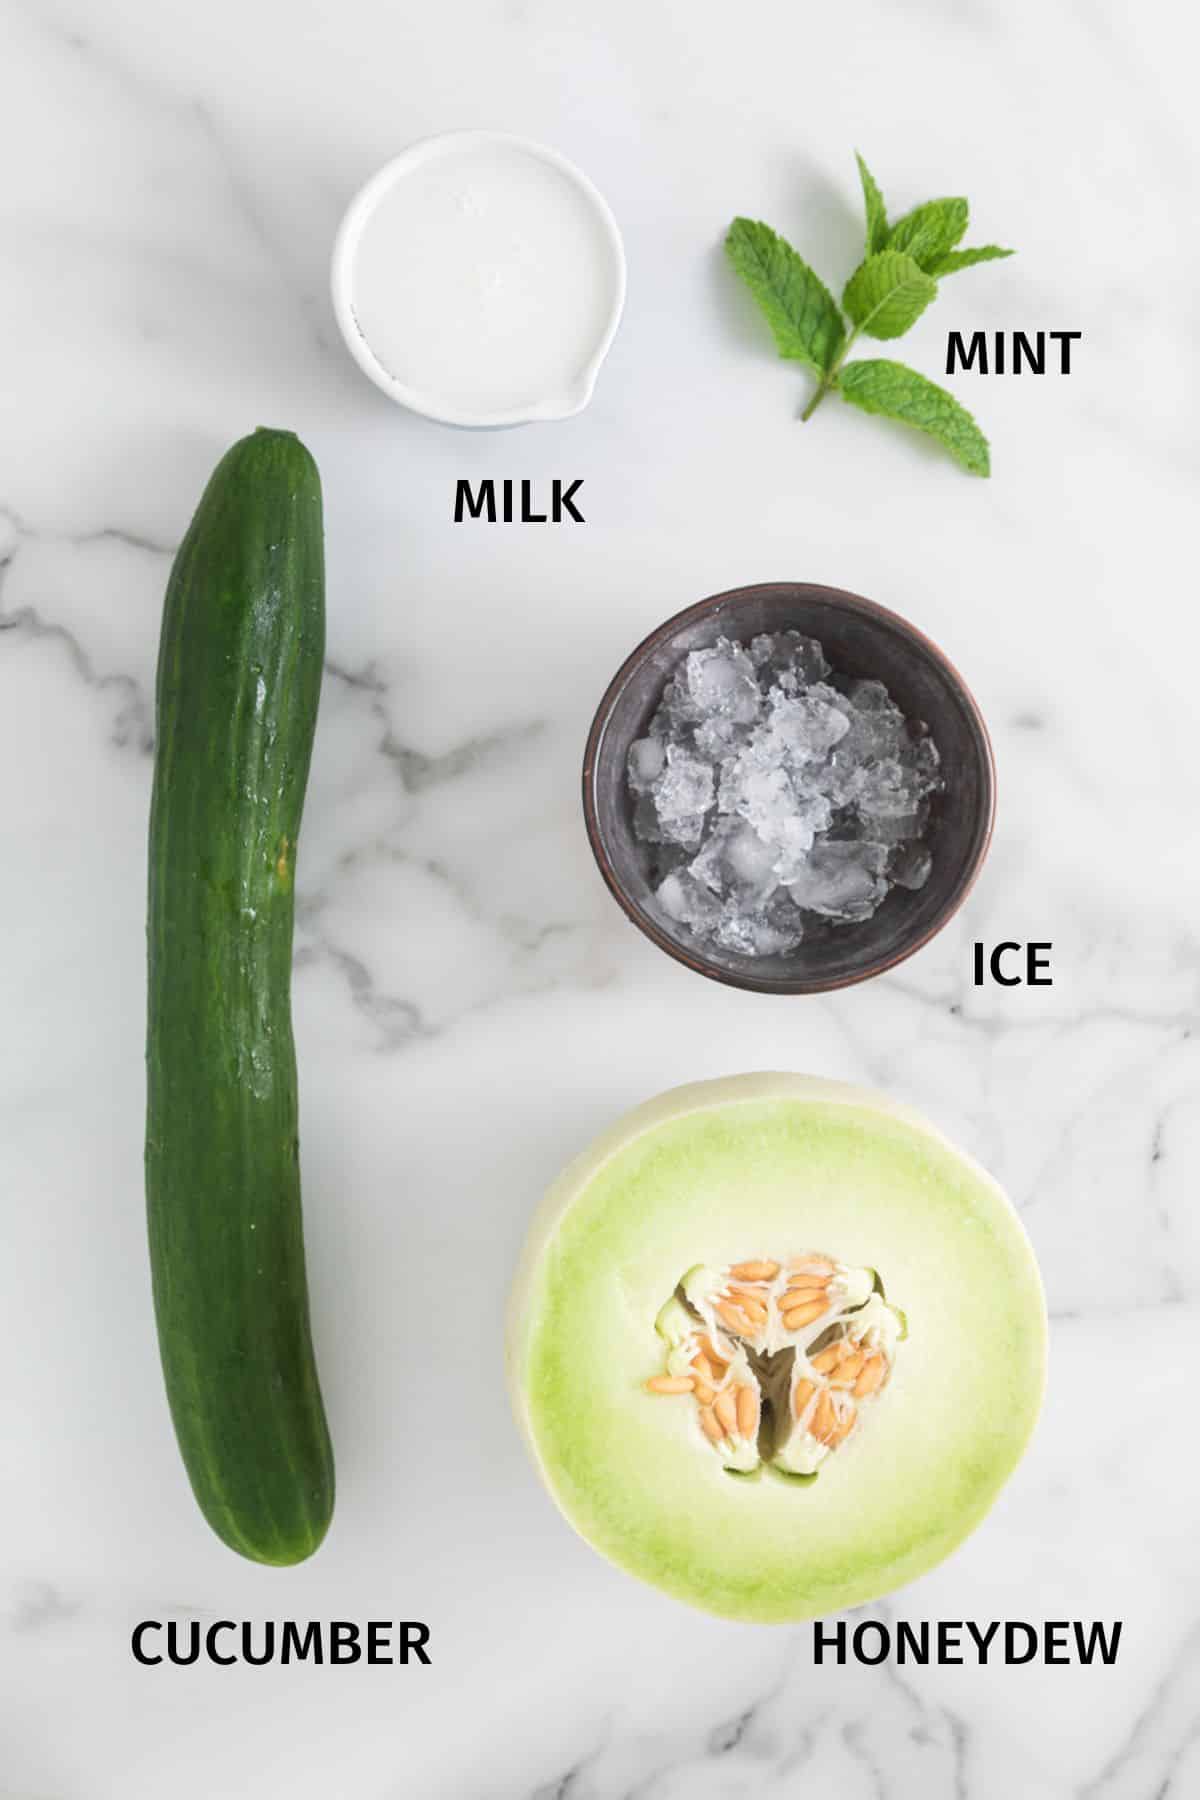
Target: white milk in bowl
[{"x": 479, "y": 279}]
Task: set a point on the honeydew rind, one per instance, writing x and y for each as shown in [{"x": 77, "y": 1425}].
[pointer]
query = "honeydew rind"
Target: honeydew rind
[{"x": 771, "y": 1601}]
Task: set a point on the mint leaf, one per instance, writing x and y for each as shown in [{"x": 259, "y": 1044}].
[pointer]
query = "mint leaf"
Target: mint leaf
[
  {"x": 966, "y": 259},
  {"x": 900, "y": 393},
  {"x": 877, "y": 225},
  {"x": 794, "y": 301},
  {"x": 929, "y": 232},
  {"x": 887, "y": 293}
]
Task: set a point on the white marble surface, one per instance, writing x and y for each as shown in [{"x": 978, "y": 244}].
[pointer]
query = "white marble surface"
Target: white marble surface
[{"x": 471, "y": 1006}]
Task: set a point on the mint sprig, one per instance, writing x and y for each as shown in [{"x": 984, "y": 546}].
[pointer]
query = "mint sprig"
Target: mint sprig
[{"x": 886, "y": 295}]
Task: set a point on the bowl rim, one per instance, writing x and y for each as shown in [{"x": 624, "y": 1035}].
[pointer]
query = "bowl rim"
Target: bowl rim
[
  {"x": 695, "y": 960},
  {"x": 550, "y": 407}
]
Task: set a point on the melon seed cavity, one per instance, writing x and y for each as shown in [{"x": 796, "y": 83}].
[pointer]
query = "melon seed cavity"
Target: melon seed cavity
[
  {"x": 775, "y": 798},
  {"x": 780, "y": 1362}
]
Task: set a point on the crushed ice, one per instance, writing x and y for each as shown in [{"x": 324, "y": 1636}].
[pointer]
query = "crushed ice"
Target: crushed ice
[{"x": 771, "y": 792}]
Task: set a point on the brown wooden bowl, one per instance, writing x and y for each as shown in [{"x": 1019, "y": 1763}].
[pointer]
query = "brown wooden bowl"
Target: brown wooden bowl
[{"x": 860, "y": 639}]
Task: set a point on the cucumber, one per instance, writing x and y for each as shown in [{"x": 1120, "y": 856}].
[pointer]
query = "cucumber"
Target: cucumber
[{"x": 239, "y": 678}]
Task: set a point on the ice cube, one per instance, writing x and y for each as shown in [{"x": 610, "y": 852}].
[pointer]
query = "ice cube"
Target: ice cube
[
  {"x": 768, "y": 941},
  {"x": 682, "y": 796},
  {"x": 909, "y": 865},
  {"x": 751, "y": 860},
  {"x": 764, "y": 796},
  {"x": 721, "y": 683},
  {"x": 715, "y": 738},
  {"x": 686, "y": 902},
  {"x": 671, "y": 896},
  {"x": 788, "y": 660},
  {"x": 676, "y": 710},
  {"x": 841, "y": 880},
  {"x": 645, "y": 820},
  {"x": 755, "y": 787},
  {"x": 891, "y": 828},
  {"x": 869, "y": 696},
  {"x": 842, "y": 777},
  {"x": 887, "y": 790},
  {"x": 709, "y": 866},
  {"x": 735, "y": 931},
  {"x": 923, "y": 763},
  {"x": 735, "y": 860},
  {"x": 803, "y": 727},
  {"x": 770, "y": 930},
  {"x": 876, "y": 727},
  {"x": 647, "y": 759},
  {"x": 783, "y": 916}
]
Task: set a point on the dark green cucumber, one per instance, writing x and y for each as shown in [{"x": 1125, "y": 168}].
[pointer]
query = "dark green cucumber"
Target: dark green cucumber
[{"x": 239, "y": 676}]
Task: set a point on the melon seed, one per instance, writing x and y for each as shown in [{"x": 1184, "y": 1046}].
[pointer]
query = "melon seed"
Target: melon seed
[
  {"x": 871, "y": 1377},
  {"x": 823, "y": 1420},
  {"x": 844, "y": 1426},
  {"x": 797, "y": 1297},
  {"x": 804, "y": 1315},
  {"x": 725, "y": 1408},
  {"x": 848, "y": 1369},
  {"x": 670, "y": 1384},
  {"x": 709, "y": 1426},
  {"x": 749, "y": 1301}
]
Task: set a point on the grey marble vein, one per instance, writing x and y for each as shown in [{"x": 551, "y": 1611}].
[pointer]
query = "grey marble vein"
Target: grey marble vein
[
  {"x": 417, "y": 769},
  {"x": 38, "y": 1606},
  {"x": 394, "y": 1021},
  {"x": 257, "y": 219},
  {"x": 1160, "y": 1736},
  {"x": 133, "y": 723}
]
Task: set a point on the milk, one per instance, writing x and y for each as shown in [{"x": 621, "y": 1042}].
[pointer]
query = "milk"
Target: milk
[{"x": 484, "y": 279}]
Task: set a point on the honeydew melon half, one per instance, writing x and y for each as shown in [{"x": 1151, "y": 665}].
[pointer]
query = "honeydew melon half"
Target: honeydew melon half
[{"x": 908, "y": 1263}]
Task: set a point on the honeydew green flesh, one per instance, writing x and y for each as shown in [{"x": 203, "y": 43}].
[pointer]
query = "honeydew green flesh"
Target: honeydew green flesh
[{"x": 773, "y": 1165}]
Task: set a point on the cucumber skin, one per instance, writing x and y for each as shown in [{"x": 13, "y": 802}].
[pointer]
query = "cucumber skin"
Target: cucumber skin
[{"x": 239, "y": 675}]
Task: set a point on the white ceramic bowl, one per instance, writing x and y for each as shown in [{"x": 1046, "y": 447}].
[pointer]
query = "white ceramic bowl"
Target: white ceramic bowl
[{"x": 569, "y": 399}]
